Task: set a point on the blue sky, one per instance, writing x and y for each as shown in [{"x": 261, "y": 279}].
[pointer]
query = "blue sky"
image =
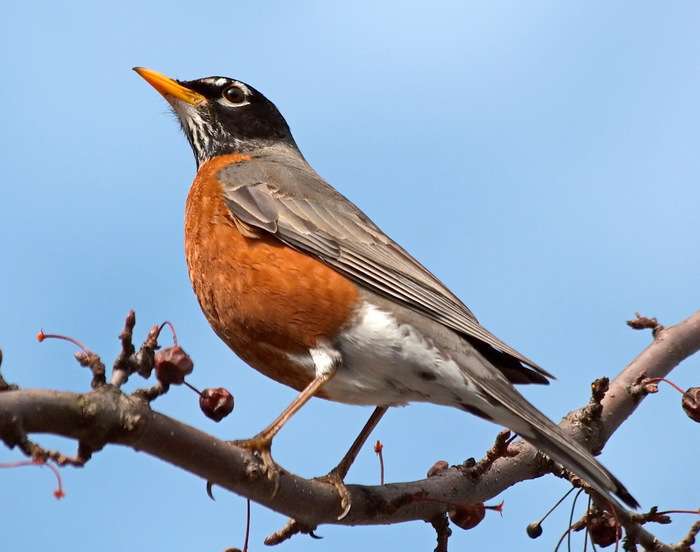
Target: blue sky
[{"x": 540, "y": 157}]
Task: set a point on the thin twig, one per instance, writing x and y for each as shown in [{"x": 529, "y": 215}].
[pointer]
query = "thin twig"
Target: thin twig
[
  {"x": 645, "y": 323},
  {"x": 128, "y": 361},
  {"x": 571, "y": 519},
  {"x": 378, "y": 448},
  {"x": 498, "y": 450},
  {"x": 441, "y": 524},
  {"x": 585, "y": 536},
  {"x": 247, "y": 525}
]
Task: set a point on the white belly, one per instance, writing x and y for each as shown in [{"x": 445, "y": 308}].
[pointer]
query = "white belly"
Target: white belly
[{"x": 387, "y": 363}]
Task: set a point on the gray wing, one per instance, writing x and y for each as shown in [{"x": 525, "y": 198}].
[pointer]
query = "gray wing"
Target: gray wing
[{"x": 281, "y": 194}]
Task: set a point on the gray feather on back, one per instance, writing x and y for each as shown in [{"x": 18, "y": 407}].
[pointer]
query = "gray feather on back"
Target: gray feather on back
[{"x": 280, "y": 193}]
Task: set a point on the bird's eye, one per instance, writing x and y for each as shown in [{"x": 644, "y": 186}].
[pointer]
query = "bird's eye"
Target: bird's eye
[{"x": 234, "y": 95}]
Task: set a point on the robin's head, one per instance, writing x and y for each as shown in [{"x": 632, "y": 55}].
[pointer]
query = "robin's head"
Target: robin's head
[{"x": 221, "y": 115}]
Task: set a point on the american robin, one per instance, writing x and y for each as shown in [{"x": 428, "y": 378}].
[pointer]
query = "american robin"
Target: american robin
[{"x": 305, "y": 288}]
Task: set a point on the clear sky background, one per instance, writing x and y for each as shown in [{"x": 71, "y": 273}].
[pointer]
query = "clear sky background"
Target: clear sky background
[{"x": 540, "y": 157}]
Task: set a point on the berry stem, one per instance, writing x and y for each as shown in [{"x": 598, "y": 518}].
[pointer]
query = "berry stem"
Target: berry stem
[
  {"x": 41, "y": 336},
  {"x": 571, "y": 520},
  {"x": 247, "y": 525},
  {"x": 192, "y": 387},
  {"x": 172, "y": 330},
  {"x": 617, "y": 523},
  {"x": 378, "y": 447},
  {"x": 556, "y": 505},
  {"x": 495, "y": 507},
  {"x": 58, "y": 493},
  {"x": 676, "y": 387}
]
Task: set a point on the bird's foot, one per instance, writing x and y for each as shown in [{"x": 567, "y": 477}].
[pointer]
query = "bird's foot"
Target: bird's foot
[
  {"x": 334, "y": 478},
  {"x": 260, "y": 446}
]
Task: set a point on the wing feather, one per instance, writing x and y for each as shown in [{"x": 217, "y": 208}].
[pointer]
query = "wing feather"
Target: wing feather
[{"x": 285, "y": 197}]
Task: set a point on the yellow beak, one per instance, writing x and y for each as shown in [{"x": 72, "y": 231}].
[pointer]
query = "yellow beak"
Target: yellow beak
[{"x": 168, "y": 87}]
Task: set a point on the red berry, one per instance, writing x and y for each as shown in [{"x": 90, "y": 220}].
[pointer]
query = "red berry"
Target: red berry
[
  {"x": 173, "y": 364},
  {"x": 469, "y": 516},
  {"x": 691, "y": 403},
  {"x": 603, "y": 529},
  {"x": 216, "y": 403}
]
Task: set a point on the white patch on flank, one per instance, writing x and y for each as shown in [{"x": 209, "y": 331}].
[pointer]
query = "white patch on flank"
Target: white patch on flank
[{"x": 325, "y": 360}]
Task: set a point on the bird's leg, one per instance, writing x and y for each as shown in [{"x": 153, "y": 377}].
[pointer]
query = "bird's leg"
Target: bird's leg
[
  {"x": 337, "y": 475},
  {"x": 261, "y": 444},
  {"x": 341, "y": 470}
]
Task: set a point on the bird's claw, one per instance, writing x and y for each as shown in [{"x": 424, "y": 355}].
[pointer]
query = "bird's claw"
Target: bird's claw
[
  {"x": 333, "y": 478},
  {"x": 260, "y": 446}
]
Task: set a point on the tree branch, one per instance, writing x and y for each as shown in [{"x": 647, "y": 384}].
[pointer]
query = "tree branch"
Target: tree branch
[{"x": 106, "y": 415}]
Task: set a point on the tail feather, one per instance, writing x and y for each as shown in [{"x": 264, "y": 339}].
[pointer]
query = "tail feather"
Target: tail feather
[
  {"x": 510, "y": 408},
  {"x": 582, "y": 463}
]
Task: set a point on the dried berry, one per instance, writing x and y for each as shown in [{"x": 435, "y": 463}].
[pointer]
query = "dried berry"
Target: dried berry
[
  {"x": 603, "y": 528},
  {"x": 468, "y": 517},
  {"x": 691, "y": 403},
  {"x": 534, "y": 530},
  {"x": 173, "y": 364},
  {"x": 216, "y": 403},
  {"x": 437, "y": 468}
]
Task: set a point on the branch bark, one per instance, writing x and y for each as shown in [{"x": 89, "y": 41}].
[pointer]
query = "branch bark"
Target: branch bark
[{"x": 106, "y": 415}]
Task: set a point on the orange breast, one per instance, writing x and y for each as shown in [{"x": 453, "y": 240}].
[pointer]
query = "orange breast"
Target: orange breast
[{"x": 261, "y": 297}]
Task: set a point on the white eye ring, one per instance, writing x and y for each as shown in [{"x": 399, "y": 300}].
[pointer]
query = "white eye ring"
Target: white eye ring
[{"x": 234, "y": 95}]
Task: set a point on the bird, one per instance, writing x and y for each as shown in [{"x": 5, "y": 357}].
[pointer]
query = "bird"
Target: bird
[{"x": 308, "y": 290}]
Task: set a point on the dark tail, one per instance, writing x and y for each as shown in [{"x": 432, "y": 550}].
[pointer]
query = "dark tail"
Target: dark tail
[
  {"x": 509, "y": 408},
  {"x": 552, "y": 441}
]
